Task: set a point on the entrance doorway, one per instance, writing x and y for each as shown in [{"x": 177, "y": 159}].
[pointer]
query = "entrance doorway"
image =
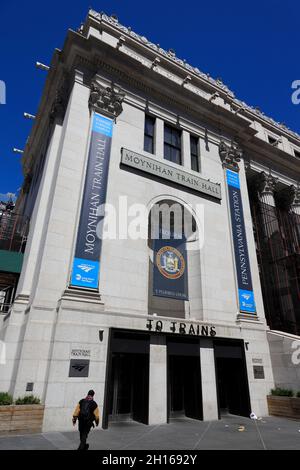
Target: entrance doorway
[
  {"x": 128, "y": 380},
  {"x": 184, "y": 380},
  {"x": 232, "y": 381},
  {"x": 129, "y": 386}
]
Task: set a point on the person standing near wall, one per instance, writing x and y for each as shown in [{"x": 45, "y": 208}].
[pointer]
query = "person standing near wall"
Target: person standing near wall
[{"x": 87, "y": 412}]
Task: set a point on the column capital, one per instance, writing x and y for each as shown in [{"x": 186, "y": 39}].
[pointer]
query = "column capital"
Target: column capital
[
  {"x": 295, "y": 190},
  {"x": 267, "y": 184},
  {"x": 106, "y": 100},
  {"x": 230, "y": 156},
  {"x": 289, "y": 197}
]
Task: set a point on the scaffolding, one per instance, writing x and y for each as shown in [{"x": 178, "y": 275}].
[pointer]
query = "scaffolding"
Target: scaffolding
[
  {"x": 13, "y": 231},
  {"x": 13, "y": 237}
]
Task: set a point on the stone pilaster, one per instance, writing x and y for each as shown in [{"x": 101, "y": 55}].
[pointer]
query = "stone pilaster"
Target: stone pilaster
[
  {"x": 158, "y": 381},
  {"x": 267, "y": 185},
  {"x": 186, "y": 150},
  {"x": 159, "y": 137},
  {"x": 208, "y": 381}
]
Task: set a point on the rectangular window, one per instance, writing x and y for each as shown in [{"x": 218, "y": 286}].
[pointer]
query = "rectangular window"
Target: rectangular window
[
  {"x": 172, "y": 144},
  {"x": 149, "y": 134},
  {"x": 272, "y": 140},
  {"x": 194, "y": 153},
  {"x": 297, "y": 153}
]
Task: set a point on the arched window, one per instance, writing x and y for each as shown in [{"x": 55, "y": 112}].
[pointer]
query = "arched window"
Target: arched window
[{"x": 174, "y": 262}]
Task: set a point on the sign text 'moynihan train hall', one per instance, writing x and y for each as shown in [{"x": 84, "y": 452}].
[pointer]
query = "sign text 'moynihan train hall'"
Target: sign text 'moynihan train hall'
[{"x": 170, "y": 173}]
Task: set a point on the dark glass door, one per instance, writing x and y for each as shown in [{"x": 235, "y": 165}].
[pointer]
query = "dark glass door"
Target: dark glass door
[
  {"x": 232, "y": 380},
  {"x": 185, "y": 398},
  {"x": 129, "y": 387},
  {"x": 140, "y": 388}
]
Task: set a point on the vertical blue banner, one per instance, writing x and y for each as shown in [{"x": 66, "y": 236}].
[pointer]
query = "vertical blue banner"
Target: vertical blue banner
[
  {"x": 245, "y": 290},
  {"x": 170, "y": 268},
  {"x": 86, "y": 264}
]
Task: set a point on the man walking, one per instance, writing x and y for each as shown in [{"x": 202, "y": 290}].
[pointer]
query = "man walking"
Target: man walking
[{"x": 86, "y": 412}]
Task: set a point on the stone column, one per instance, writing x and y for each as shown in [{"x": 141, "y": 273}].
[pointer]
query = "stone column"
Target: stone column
[
  {"x": 159, "y": 138},
  {"x": 208, "y": 380},
  {"x": 266, "y": 190},
  {"x": 158, "y": 380},
  {"x": 296, "y": 200},
  {"x": 186, "y": 150},
  {"x": 267, "y": 187},
  {"x": 289, "y": 200},
  {"x": 295, "y": 208}
]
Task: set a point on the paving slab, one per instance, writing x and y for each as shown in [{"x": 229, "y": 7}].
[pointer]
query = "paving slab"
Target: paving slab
[{"x": 229, "y": 433}]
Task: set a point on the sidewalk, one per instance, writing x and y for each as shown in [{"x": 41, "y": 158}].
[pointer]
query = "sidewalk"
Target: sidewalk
[{"x": 232, "y": 432}]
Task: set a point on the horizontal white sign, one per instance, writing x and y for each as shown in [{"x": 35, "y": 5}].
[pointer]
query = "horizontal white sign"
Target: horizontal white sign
[
  {"x": 170, "y": 173},
  {"x": 80, "y": 353}
]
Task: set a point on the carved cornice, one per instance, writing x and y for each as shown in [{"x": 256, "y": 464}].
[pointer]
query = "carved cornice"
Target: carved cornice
[
  {"x": 91, "y": 66},
  {"x": 136, "y": 83},
  {"x": 230, "y": 156},
  {"x": 170, "y": 54},
  {"x": 107, "y": 100}
]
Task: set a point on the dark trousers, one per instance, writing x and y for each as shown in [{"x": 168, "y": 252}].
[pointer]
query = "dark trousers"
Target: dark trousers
[{"x": 84, "y": 429}]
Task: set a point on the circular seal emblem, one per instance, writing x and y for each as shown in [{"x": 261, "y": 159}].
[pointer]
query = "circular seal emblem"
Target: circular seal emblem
[{"x": 170, "y": 262}]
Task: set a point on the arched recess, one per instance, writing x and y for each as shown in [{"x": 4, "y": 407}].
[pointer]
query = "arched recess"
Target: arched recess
[{"x": 190, "y": 226}]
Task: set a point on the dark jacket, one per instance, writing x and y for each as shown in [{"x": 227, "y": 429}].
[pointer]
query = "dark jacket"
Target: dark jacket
[{"x": 93, "y": 411}]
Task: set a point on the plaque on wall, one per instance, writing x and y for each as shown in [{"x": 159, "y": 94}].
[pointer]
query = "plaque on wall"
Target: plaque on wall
[
  {"x": 258, "y": 372},
  {"x": 79, "y": 368},
  {"x": 257, "y": 361},
  {"x": 80, "y": 353}
]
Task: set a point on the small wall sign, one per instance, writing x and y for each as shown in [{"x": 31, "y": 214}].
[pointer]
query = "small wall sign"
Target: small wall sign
[
  {"x": 79, "y": 368},
  {"x": 257, "y": 361},
  {"x": 80, "y": 353},
  {"x": 181, "y": 328},
  {"x": 258, "y": 372}
]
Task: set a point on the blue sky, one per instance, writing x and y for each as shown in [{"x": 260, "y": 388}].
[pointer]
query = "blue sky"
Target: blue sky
[{"x": 253, "y": 46}]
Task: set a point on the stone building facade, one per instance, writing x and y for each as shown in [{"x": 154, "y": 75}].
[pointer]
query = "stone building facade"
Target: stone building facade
[{"x": 171, "y": 135}]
